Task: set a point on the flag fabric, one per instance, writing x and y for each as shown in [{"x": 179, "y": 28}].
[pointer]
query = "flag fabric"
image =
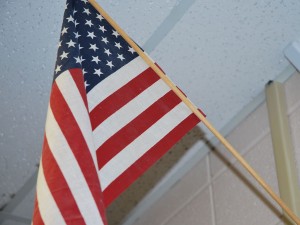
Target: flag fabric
[{"x": 110, "y": 117}]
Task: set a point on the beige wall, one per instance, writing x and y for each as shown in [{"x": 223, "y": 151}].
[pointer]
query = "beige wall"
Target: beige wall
[{"x": 218, "y": 191}]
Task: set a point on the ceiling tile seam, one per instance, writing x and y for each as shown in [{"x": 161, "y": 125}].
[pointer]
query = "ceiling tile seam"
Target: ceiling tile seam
[{"x": 168, "y": 24}]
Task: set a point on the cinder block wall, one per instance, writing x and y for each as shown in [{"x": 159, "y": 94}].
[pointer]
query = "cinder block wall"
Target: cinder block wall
[{"x": 218, "y": 191}]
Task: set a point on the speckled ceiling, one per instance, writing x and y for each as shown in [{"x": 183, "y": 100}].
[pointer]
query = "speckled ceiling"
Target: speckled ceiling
[{"x": 221, "y": 53}]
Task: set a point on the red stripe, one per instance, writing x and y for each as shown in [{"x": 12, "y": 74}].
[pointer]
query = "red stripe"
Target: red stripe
[
  {"x": 79, "y": 81},
  {"x": 148, "y": 159},
  {"x": 59, "y": 188},
  {"x": 135, "y": 128},
  {"x": 122, "y": 96},
  {"x": 36, "y": 218},
  {"x": 76, "y": 141}
]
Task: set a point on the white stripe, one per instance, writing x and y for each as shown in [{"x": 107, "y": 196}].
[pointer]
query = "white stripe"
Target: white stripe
[
  {"x": 128, "y": 112},
  {"x": 71, "y": 171},
  {"x": 71, "y": 94},
  {"x": 115, "y": 81},
  {"x": 47, "y": 206},
  {"x": 124, "y": 159}
]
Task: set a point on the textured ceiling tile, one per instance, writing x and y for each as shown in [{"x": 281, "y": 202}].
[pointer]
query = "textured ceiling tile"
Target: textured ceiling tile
[
  {"x": 223, "y": 52},
  {"x": 138, "y": 18},
  {"x": 29, "y": 32}
]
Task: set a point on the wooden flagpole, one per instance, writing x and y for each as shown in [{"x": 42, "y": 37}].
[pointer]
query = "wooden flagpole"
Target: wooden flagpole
[{"x": 195, "y": 110}]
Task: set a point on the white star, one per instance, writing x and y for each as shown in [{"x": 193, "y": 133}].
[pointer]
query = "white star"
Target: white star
[
  {"x": 75, "y": 22},
  {"x": 98, "y": 72},
  {"x": 85, "y": 1},
  {"x": 121, "y": 57},
  {"x": 94, "y": 47},
  {"x": 79, "y": 59},
  {"x": 91, "y": 35},
  {"x": 99, "y": 17},
  {"x": 130, "y": 49},
  {"x": 118, "y": 45},
  {"x": 80, "y": 47},
  {"x": 89, "y": 23},
  {"x": 77, "y": 35},
  {"x": 66, "y": 6},
  {"x": 59, "y": 43},
  {"x": 64, "y": 30},
  {"x": 104, "y": 39},
  {"x": 83, "y": 71},
  {"x": 115, "y": 33},
  {"x": 70, "y": 19},
  {"x": 102, "y": 28},
  {"x": 87, "y": 11},
  {"x": 109, "y": 63},
  {"x": 86, "y": 84},
  {"x": 71, "y": 43},
  {"x": 96, "y": 59},
  {"x": 107, "y": 51},
  {"x": 74, "y": 11},
  {"x": 58, "y": 69},
  {"x": 64, "y": 55}
]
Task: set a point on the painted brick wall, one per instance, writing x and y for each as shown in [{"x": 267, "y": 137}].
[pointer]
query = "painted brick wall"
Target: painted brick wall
[{"x": 218, "y": 191}]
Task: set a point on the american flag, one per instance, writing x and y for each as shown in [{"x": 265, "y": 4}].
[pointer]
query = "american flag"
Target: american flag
[{"x": 110, "y": 118}]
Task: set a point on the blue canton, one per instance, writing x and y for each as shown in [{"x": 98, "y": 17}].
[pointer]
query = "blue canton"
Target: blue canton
[{"x": 89, "y": 42}]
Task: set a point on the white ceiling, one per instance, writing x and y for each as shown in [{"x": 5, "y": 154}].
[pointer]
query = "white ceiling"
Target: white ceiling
[{"x": 220, "y": 53}]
